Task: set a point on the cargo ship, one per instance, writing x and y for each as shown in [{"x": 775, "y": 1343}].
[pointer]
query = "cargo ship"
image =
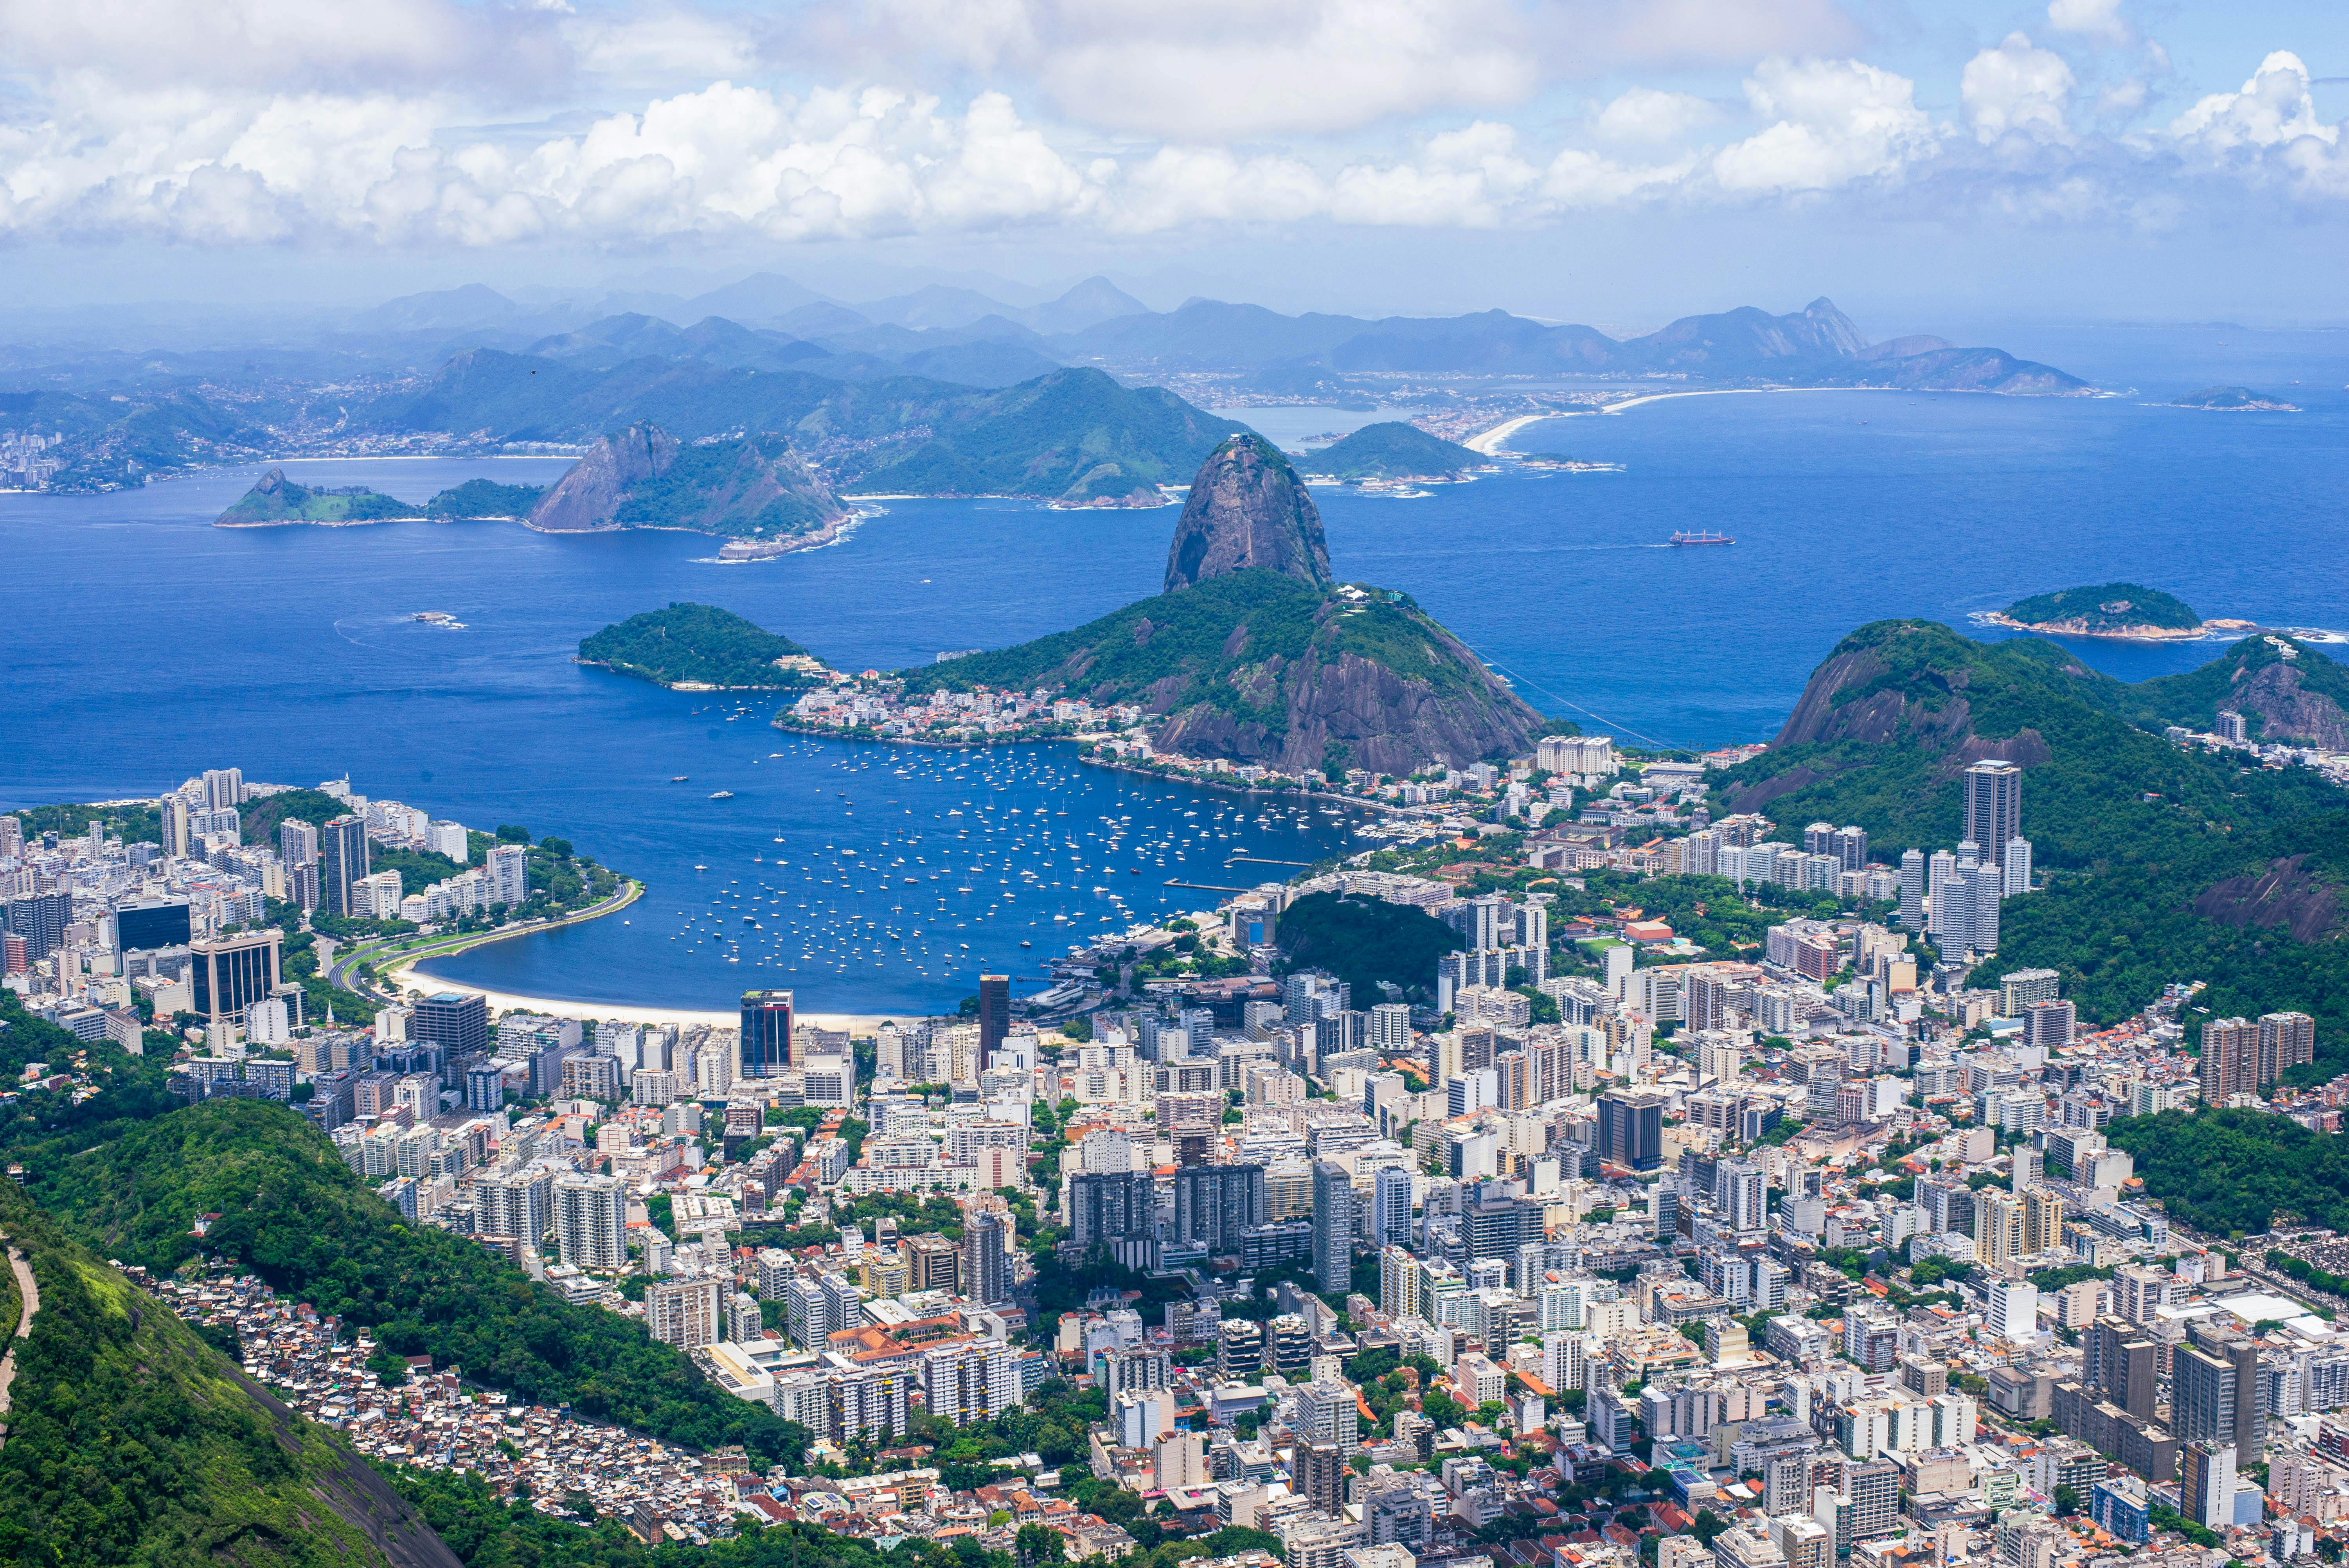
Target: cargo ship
[{"x": 1702, "y": 538}]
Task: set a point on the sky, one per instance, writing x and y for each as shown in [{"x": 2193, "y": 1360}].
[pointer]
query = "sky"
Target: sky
[{"x": 1615, "y": 161}]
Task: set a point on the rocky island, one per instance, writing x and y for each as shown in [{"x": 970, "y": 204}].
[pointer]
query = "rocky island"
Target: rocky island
[
  {"x": 698, "y": 647},
  {"x": 2234, "y": 401},
  {"x": 1394, "y": 450},
  {"x": 754, "y": 492},
  {"x": 276, "y": 501},
  {"x": 2128, "y": 611}
]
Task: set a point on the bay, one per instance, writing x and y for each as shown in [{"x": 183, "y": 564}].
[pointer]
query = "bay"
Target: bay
[{"x": 141, "y": 646}]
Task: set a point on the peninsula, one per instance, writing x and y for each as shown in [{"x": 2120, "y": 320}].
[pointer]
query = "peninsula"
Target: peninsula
[
  {"x": 754, "y": 492},
  {"x": 698, "y": 647}
]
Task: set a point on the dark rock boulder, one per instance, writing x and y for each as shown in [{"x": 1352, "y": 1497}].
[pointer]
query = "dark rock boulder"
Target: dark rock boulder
[{"x": 587, "y": 498}]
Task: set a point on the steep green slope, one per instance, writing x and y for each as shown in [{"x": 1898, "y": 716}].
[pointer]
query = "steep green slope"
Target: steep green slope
[
  {"x": 477, "y": 498},
  {"x": 695, "y": 642},
  {"x": 2237, "y": 1171},
  {"x": 292, "y": 1212},
  {"x": 115, "y": 441},
  {"x": 1261, "y": 667},
  {"x": 132, "y": 1441},
  {"x": 2288, "y": 691},
  {"x": 273, "y": 498},
  {"x": 2106, "y": 607},
  {"x": 1393, "y": 449},
  {"x": 1074, "y": 436},
  {"x": 2161, "y": 864}
]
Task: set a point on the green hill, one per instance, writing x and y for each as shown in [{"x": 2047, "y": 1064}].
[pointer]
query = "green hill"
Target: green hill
[
  {"x": 2107, "y": 607},
  {"x": 1261, "y": 667},
  {"x": 1363, "y": 941},
  {"x": 273, "y": 498},
  {"x": 698, "y": 644},
  {"x": 1075, "y": 436},
  {"x": 2162, "y": 864},
  {"x": 130, "y": 1439},
  {"x": 483, "y": 498},
  {"x": 1393, "y": 449},
  {"x": 293, "y": 1213},
  {"x": 2289, "y": 691}
]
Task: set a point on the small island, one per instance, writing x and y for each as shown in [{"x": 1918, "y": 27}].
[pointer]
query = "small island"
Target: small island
[
  {"x": 276, "y": 501},
  {"x": 698, "y": 647},
  {"x": 2128, "y": 611},
  {"x": 2235, "y": 400},
  {"x": 1394, "y": 450}
]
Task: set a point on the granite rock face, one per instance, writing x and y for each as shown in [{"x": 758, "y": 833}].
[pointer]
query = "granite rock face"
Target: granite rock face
[
  {"x": 587, "y": 498},
  {"x": 1248, "y": 508}
]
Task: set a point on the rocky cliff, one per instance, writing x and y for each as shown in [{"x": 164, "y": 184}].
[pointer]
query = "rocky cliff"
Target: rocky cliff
[
  {"x": 587, "y": 497},
  {"x": 754, "y": 491},
  {"x": 1247, "y": 509}
]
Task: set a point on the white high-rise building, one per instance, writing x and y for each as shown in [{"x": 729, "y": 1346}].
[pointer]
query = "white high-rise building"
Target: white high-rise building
[
  {"x": 2015, "y": 861},
  {"x": 509, "y": 875},
  {"x": 1912, "y": 889},
  {"x": 591, "y": 1222},
  {"x": 1391, "y": 1027},
  {"x": 447, "y": 839},
  {"x": 1941, "y": 874},
  {"x": 1390, "y": 1207},
  {"x": 686, "y": 1313},
  {"x": 2013, "y": 1311},
  {"x": 223, "y": 788}
]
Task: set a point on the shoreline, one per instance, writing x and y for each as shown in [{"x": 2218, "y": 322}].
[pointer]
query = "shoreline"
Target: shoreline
[
  {"x": 407, "y": 977},
  {"x": 2207, "y": 630}
]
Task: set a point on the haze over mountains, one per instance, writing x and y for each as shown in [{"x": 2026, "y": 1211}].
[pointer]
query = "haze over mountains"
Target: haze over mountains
[{"x": 768, "y": 322}]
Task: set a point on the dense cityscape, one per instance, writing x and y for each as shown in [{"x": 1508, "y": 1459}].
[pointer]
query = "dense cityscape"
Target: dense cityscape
[{"x": 1585, "y": 1247}]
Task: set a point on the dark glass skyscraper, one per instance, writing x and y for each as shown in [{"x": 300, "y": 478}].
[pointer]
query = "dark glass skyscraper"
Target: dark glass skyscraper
[
  {"x": 766, "y": 1034},
  {"x": 139, "y": 927},
  {"x": 456, "y": 1023},
  {"x": 1993, "y": 806},
  {"x": 994, "y": 1016},
  {"x": 342, "y": 860},
  {"x": 1632, "y": 1129},
  {"x": 230, "y": 973}
]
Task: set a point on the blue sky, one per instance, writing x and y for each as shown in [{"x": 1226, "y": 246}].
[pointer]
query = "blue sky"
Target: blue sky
[{"x": 1611, "y": 161}]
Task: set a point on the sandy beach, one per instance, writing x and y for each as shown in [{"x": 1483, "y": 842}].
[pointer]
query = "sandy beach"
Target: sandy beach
[
  {"x": 406, "y": 978},
  {"x": 1488, "y": 442}
]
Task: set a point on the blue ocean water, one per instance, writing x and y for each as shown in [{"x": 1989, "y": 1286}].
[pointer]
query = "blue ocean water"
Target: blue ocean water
[{"x": 142, "y": 644}]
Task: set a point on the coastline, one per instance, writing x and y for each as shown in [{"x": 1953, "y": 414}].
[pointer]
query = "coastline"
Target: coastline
[
  {"x": 406, "y": 977},
  {"x": 2219, "y": 628}
]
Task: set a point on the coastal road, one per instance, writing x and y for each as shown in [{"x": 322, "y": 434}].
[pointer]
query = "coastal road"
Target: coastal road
[
  {"x": 344, "y": 971},
  {"x": 32, "y": 1293}
]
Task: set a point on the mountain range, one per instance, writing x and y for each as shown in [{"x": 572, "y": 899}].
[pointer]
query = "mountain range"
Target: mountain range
[{"x": 766, "y": 322}]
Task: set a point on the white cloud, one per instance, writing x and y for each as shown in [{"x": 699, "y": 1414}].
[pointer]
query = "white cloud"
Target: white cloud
[
  {"x": 1217, "y": 71},
  {"x": 2098, "y": 19},
  {"x": 1643, "y": 114},
  {"x": 2016, "y": 87},
  {"x": 1834, "y": 122},
  {"x": 2272, "y": 109}
]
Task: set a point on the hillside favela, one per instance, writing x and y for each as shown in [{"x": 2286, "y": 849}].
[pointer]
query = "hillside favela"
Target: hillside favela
[{"x": 1317, "y": 784}]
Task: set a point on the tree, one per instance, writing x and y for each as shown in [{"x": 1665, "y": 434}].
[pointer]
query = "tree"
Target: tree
[
  {"x": 1039, "y": 1543},
  {"x": 1708, "y": 1525},
  {"x": 2067, "y": 1502}
]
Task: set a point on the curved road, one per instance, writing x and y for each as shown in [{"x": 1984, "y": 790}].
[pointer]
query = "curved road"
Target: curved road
[
  {"x": 341, "y": 973},
  {"x": 32, "y": 1292}
]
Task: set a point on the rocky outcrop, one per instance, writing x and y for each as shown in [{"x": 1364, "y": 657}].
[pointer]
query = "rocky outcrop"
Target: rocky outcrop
[
  {"x": 2286, "y": 894},
  {"x": 587, "y": 499},
  {"x": 1337, "y": 703},
  {"x": 2288, "y": 710},
  {"x": 753, "y": 491},
  {"x": 1248, "y": 508}
]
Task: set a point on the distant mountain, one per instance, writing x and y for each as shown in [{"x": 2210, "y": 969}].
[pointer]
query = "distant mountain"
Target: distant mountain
[
  {"x": 934, "y": 307},
  {"x": 980, "y": 364},
  {"x": 1817, "y": 345},
  {"x": 1074, "y": 437},
  {"x": 1254, "y": 656},
  {"x": 120, "y": 439},
  {"x": 820, "y": 319},
  {"x": 1090, "y": 303},
  {"x": 759, "y": 300},
  {"x": 474, "y": 305},
  {"x": 1393, "y": 449},
  {"x": 755, "y": 493},
  {"x": 615, "y": 340}
]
